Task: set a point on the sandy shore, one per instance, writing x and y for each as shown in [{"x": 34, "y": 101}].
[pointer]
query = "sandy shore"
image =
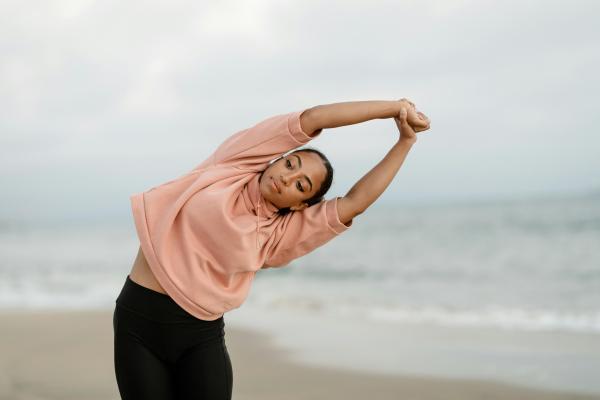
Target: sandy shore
[{"x": 69, "y": 355}]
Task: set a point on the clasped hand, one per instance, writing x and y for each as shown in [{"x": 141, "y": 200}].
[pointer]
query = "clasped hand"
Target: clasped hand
[{"x": 410, "y": 121}]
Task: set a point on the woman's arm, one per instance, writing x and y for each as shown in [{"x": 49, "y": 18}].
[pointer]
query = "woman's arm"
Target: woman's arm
[
  {"x": 334, "y": 115},
  {"x": 371, "y": 186},
  {"x": 347, "y": 113}
]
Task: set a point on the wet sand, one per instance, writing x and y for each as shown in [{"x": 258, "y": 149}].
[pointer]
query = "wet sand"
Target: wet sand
[{"x": 69, "y": 355}]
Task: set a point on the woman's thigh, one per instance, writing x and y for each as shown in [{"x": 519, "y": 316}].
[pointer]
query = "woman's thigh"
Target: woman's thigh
[
  {"x": 163, "y": 352},
  {"x": 205, "y": 372},
  {"x": 139, "y": 372}
]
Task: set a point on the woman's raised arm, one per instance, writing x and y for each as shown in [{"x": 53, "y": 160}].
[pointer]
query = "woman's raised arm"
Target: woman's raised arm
[
  {"x": 371, "y": 186},
  {"x": 353, "y": 112}
]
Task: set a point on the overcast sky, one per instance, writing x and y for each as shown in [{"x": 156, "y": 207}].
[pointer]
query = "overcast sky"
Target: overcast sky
[{"x": 103, "y": 99}]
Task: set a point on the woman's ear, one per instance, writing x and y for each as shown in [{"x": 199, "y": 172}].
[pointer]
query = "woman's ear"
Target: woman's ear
[{"x": 299, "y": 207}]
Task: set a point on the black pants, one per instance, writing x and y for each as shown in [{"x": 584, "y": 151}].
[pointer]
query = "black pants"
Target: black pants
[{"x": 163, "y": 352}]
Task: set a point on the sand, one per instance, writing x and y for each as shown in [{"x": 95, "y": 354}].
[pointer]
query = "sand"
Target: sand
[{"x": 69, "y": 355}]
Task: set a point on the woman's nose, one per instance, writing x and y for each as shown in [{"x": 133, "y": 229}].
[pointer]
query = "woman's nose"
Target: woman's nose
[{"x": 288, "y": 177}]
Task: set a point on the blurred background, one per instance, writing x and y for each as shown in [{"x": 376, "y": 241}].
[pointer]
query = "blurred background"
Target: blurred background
[{"x": 493, "y": 221}]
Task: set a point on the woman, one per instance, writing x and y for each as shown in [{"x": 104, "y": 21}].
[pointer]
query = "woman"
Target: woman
[{"x": 204, "y": 235}]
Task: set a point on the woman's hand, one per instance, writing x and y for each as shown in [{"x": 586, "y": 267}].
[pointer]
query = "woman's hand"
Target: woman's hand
[
  {"x": 407, "y": 133},
  {"x": 416, "y": 119}
]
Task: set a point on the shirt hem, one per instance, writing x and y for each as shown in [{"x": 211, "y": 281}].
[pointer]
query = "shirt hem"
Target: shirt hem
[
  {"x": 137, "y": 205},
  {"x": 295, "y": 129},
  {"x": 333, "y": 218}
]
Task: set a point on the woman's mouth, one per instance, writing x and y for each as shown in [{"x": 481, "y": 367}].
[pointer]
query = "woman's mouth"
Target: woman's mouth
[{"x": 275, "y": 185}]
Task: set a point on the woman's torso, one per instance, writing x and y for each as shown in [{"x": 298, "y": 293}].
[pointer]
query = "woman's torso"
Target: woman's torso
[{"x": 142, "y": 274}]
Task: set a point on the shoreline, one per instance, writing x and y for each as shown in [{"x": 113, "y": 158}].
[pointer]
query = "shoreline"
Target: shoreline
[
  {"x": 546, "y": 360},
  {"x": 42, "y": 352}
]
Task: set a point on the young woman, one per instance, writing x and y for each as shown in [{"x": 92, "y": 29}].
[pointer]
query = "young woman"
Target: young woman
[{"x": 204, "y": 235}]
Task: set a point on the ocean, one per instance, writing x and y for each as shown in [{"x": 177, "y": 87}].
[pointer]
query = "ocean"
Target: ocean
[
  {"x": 507, "y": 291},
  {"x": 521, "y": 265}
]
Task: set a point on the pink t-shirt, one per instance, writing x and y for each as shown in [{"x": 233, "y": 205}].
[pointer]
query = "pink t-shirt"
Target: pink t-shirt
[{"x": 205, "y": 234}]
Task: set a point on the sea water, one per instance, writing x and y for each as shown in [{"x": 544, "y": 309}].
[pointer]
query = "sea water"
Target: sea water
[
  {"x": 528, "y": 265},
  {"x": 508, "y": 291}
]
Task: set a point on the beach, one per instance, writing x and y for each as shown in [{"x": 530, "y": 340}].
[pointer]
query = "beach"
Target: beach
[
  {"x": 469, "y": 269},
  {"x": 69, "y": 355},
  {"x": 494, "y": 301}
]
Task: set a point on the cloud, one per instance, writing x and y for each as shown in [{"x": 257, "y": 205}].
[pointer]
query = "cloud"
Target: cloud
[{"x": 131, "y": 93}]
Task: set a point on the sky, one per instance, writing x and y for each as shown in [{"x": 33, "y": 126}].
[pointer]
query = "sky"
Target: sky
[{"x": 103, "y": 99}]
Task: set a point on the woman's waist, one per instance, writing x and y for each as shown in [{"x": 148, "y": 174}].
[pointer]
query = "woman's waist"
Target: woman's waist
[{"x": 143, "y": 275}]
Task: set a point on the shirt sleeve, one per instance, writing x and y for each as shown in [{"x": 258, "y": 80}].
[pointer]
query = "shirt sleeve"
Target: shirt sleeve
[
  {"x": 304, "y": 231},
  {"x": 254, "y": 147}
]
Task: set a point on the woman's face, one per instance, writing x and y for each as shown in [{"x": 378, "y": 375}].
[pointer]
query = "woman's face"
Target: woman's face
[{"x": 298, "y": 177}]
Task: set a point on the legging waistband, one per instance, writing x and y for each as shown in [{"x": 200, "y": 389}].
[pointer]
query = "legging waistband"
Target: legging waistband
[{"x": 156, "y": 306}]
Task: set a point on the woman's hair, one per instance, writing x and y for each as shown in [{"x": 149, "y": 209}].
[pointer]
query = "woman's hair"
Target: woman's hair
[{"x": 318, "y": 197}]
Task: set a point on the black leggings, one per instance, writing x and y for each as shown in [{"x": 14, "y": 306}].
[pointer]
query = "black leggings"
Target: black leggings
[{"x": 163, "y": 352}]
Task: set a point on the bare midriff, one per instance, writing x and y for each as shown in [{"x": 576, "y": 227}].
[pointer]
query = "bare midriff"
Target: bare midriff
[{"x": 142, "y": 274}]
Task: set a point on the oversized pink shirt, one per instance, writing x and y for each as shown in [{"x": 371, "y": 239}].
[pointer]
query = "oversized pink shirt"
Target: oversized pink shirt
[{"x": 205, "y": 234}]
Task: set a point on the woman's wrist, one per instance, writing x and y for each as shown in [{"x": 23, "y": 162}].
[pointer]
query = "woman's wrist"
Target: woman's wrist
[
  {"x": 389, "y": 108},
  {"x": 407, "y": 141}
]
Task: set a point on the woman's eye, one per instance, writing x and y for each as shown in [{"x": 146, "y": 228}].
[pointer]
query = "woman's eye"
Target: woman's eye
[{"x": 298, "y": 185}]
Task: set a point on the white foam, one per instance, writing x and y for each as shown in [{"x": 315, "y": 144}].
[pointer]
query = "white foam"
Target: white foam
[{"x": 493, "y": 316}]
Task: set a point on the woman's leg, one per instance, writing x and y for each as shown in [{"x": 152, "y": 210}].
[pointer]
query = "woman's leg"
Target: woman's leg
[
  {"x": 205, "y": 372},
  {"x": 140, "y": 373},
  {"x": 163, "y": 352}
]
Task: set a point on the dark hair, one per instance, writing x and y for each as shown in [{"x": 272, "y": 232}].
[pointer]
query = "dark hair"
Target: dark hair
[{"x": 318, "y": 197}]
